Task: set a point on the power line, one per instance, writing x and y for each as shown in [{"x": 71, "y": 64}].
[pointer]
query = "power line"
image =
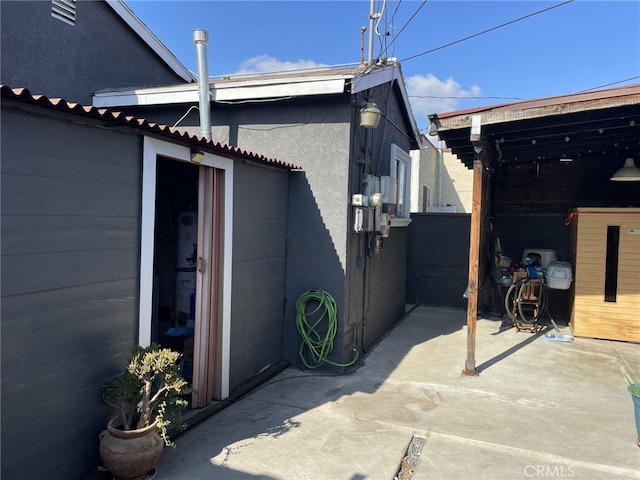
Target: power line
[
  {"x": 609, "y": 84},
  {"x": 487, "y": 31},
  {"x": 462, "y": 97},
  {"x": 395, "y": 37}
]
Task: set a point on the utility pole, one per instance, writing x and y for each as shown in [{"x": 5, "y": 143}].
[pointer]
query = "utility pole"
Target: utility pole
[{"x": 372, "y": 17}]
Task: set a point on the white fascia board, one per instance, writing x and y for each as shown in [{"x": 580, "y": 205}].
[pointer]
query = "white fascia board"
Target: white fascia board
[
  {"x": 150, "y": 39},
  {"x": 221, "y": 92},
  {"x": 248, "y": 91},
  {"x": 407, "y": 103},
  {"x": 372, "y": 79},
  {"x": 147, "y": 96}
]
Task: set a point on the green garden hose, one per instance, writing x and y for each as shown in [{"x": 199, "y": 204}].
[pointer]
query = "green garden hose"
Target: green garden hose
[{"x": 315, "y": 345}]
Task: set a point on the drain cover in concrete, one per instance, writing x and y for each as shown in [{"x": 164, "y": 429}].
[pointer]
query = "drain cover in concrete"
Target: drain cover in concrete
[{"x": 411, "y": 458}]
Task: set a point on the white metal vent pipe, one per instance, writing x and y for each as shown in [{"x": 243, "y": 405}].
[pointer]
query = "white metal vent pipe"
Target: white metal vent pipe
[{"x": 201, "y": 39}]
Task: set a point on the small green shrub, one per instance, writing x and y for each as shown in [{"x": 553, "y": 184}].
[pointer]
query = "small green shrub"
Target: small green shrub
[
  {"x": 634, "y": 387},
  {"x": 149, "y": 389}
]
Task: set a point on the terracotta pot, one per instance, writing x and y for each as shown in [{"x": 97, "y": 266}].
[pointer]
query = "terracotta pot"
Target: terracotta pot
[{"x": 130, "y": 454}]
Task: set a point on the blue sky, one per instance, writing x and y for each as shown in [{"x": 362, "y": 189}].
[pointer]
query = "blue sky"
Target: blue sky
[{"x": 580, "y": 45}]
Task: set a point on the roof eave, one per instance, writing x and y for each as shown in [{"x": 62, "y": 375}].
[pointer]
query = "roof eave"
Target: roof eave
[
  {"x": 221, "y": 92},
  {"x": 390, "y": 73},
  {"x": 144, "y": 127},
  {"x": 150, "y": 39},
  {"x": 532, "y": 109},
  {"x": 287, "y": 85}
]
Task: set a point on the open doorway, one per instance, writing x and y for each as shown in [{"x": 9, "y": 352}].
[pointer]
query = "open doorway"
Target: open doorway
[
  {"x": 175, "y": 258},
  {"x": 175, "y": 193}
]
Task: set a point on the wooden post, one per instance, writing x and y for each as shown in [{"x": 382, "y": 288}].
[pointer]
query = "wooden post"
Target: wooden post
[{"x": 474, "y": 258}]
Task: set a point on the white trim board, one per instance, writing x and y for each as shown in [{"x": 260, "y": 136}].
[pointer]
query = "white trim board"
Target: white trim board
[
  {"x": 152, "y": 148},
  {"x": 219, "y": 92}
]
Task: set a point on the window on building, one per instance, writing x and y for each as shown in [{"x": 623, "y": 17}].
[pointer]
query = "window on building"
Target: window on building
[
  {"x": 64, "y": 10},
  {"x": 400, "y": 169}
]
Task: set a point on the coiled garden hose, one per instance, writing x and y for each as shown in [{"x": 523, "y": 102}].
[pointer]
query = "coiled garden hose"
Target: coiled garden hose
[
  {"x": 513, "y": 300},
  {"x": 318, "y": 328}
]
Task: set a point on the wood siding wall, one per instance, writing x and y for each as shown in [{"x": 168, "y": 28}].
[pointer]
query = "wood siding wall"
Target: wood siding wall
[
  {"x": 70, "y": 261},
  {"x": 592, "y": 315},
  {"x": 531, "y": 201},
  {"x": 554, "y": 187},
  {"x": 259, "y": 251}
]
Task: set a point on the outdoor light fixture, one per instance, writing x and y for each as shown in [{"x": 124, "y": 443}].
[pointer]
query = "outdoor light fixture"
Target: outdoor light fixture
[
  {"x": 628, "y": 173},
  {"x": 434, "y": 124},
  {"x": 197, "y": 156},
  {"x": 370, "y": 115}
]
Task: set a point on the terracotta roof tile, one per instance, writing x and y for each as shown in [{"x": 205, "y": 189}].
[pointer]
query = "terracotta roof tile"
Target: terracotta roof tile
[{"x": 104, "y": 114}]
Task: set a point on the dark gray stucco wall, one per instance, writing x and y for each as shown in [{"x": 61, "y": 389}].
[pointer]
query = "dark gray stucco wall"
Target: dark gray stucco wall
[
  {"x": 323, "y": 252},
  {"x": 70, "y": 260},
  {"x": 385, "y": 295},
  {"x": 258, "y": 270},
  {"x": 377, "y": 282},
  {"x": 55, "y": 59},
  {"x": 316, "y": 136}
]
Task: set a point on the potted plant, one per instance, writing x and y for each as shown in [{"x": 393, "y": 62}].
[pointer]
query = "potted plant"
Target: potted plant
[
  {"x": 148, "y": 397},
  {"x": 634, "y": 389}
]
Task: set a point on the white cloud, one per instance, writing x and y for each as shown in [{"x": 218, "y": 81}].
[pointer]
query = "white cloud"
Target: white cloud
[
  {"x": 266, "y": 63},
  {"x": 428, "y": 95}
]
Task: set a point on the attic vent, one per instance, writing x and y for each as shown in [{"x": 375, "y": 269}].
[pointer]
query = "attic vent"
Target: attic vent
[{"x": 64, "y": 10}]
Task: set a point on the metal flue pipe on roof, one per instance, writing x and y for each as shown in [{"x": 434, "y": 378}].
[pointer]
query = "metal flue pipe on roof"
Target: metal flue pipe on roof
[{"x": 201, "y": 39}]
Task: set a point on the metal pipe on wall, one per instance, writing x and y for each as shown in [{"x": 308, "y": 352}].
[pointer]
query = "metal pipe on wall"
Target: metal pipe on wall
[
  {"x": 201, "y": 39},
  {"x": 440, "y": 169},
  {"x": 371, "y": 18}
]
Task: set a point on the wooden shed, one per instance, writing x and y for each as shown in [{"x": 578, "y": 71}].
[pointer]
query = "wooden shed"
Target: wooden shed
[{"x": 605, "y": 244}]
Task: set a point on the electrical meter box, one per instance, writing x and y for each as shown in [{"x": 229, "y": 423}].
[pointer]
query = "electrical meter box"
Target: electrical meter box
[
  {"x": 363, "y": 220},
  {"x": 364, "y": 205}
]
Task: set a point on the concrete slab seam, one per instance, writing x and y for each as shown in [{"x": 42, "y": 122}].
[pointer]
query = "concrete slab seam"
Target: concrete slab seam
[
  {"x": 480, "y": 393},
  {"x": 542, "y": 456}
]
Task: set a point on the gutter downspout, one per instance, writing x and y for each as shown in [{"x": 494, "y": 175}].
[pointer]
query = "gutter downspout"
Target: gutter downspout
[{"x": 201, "y": 39}]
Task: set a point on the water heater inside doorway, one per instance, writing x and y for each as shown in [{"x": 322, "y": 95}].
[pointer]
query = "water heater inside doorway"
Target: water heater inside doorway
[{"x": 187, "y": 237}]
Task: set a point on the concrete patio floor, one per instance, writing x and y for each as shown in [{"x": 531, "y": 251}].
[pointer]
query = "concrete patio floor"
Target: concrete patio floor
[{"x": 536, "y": 409}]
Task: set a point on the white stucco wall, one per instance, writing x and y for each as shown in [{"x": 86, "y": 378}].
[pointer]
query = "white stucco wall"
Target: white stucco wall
[{"x": 450, "y": 183}]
